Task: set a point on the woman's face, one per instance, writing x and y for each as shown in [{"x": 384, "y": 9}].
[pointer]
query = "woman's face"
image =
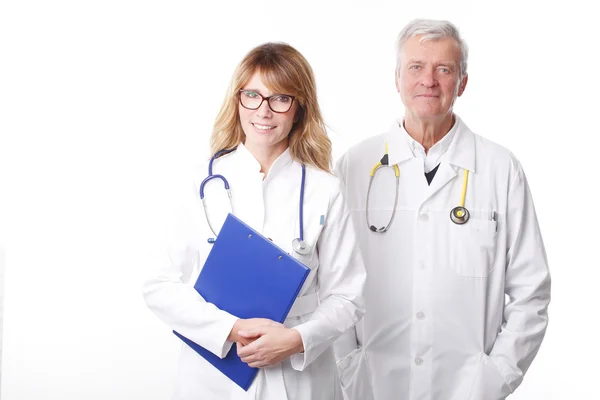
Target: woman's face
[{"x": 264, "y": 128}]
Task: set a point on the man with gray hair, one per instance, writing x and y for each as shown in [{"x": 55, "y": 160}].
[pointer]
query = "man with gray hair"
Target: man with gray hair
[{"x": 458, "y": 285}]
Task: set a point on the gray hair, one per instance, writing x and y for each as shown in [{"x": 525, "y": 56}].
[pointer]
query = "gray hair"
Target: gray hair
[{"x": 432, "y": 29}]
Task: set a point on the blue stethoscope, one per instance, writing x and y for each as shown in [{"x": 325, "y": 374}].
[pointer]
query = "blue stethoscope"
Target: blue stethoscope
[{"x": 298, "y": 244}]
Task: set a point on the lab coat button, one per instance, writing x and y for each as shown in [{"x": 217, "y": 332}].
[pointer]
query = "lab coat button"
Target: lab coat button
[
  {"x": 420, "y": 315},
  {"x": 422, "y": 265},
  {"x": 418, "y": 361},
  {"x": 424, "y": 217}
]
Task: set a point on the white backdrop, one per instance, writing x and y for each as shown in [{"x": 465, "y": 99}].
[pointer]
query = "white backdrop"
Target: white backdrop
[{"x": 105, "y": 104}]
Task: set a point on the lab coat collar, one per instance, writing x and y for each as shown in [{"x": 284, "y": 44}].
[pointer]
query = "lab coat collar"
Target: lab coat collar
[
  {"x": 441, "y": 146},
  {"x": 249, "y": 160},
  {"x": 398, "y": 149},
  {"x": 461, "y": 150},
  {"x": 279, "y": 164}
]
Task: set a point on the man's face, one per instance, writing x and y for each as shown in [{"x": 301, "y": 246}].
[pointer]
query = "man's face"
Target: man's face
[{"x": 429, "y": 77}]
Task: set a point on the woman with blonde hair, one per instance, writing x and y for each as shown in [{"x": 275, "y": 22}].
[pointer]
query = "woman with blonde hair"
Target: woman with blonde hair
[{"x": 269, "y": 140}]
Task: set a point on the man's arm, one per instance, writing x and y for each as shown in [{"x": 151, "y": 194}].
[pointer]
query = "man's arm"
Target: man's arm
[{"x": 527, "y": 284}]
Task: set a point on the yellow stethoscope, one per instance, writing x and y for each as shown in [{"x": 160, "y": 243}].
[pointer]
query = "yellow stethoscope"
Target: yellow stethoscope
[{"x": 459, "y": 214}]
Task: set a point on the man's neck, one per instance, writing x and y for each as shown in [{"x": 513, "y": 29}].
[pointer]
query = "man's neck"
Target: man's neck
[{"x": 428, "y": 132}]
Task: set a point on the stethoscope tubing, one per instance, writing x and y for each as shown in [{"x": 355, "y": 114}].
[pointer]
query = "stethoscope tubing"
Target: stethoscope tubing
[{"x": 299, "y": 245}]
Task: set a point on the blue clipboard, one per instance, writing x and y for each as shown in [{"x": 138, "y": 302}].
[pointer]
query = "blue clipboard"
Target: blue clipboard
[{"x": 248, "y": 276}]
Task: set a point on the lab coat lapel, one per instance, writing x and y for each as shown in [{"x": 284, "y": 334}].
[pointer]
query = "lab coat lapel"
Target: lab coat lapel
[
  {"x": 413, "y": 186},
  {"x": 460, "y": 156},
  {"x": 444, "y": 174},
  {"x": 461, "y": 152}
]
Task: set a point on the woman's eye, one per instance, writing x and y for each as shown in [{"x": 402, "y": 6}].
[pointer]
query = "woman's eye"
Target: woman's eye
[{"x": 283, "y": 99}]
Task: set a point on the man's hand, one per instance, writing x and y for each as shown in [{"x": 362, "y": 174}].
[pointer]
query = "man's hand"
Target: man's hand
[
  {"x": 269, "y": 345},
  {"x": 248, "y": 325}
]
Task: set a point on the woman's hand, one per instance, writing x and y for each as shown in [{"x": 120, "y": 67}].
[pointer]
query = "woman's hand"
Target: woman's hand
[
  {"x": 248, "y": 325},
  {"x": 269, "y": 345}
]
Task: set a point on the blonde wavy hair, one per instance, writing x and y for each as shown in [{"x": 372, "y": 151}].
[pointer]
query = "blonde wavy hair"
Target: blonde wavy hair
[{"x": 283, "y": 70}]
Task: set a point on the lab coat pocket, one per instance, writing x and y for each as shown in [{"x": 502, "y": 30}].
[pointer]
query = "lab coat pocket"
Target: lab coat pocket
[
  {"x": 473, "y": 247},
  {"x": 355, "y": 377},
  {"x": 489, "y": 383}
]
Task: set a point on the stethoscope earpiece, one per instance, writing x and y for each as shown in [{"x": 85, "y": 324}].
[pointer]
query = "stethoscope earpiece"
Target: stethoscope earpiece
[
  {"x": 459, "y": 215},
  {"x": 373, "y": 228}
]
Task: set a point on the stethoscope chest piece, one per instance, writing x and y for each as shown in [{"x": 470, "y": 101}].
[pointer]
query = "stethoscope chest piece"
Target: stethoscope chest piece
[
  {"x": 459, "y": 215},
  {"x": 300, "y": 247}
]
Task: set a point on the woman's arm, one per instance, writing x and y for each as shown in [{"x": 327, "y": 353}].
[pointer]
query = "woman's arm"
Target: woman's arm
[{"x": 341, "y": 276}]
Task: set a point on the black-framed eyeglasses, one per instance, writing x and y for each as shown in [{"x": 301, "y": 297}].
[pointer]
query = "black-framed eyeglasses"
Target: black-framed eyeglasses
[{"x": 279, "y": 103}]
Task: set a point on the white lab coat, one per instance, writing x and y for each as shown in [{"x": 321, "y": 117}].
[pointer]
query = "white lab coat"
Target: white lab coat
[
  {"x": 436, "y": 325},
  {"x": 333, "y": 288}
]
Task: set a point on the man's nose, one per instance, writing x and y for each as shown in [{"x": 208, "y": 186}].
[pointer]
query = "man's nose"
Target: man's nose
[{"x": 428, "y": 78}]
